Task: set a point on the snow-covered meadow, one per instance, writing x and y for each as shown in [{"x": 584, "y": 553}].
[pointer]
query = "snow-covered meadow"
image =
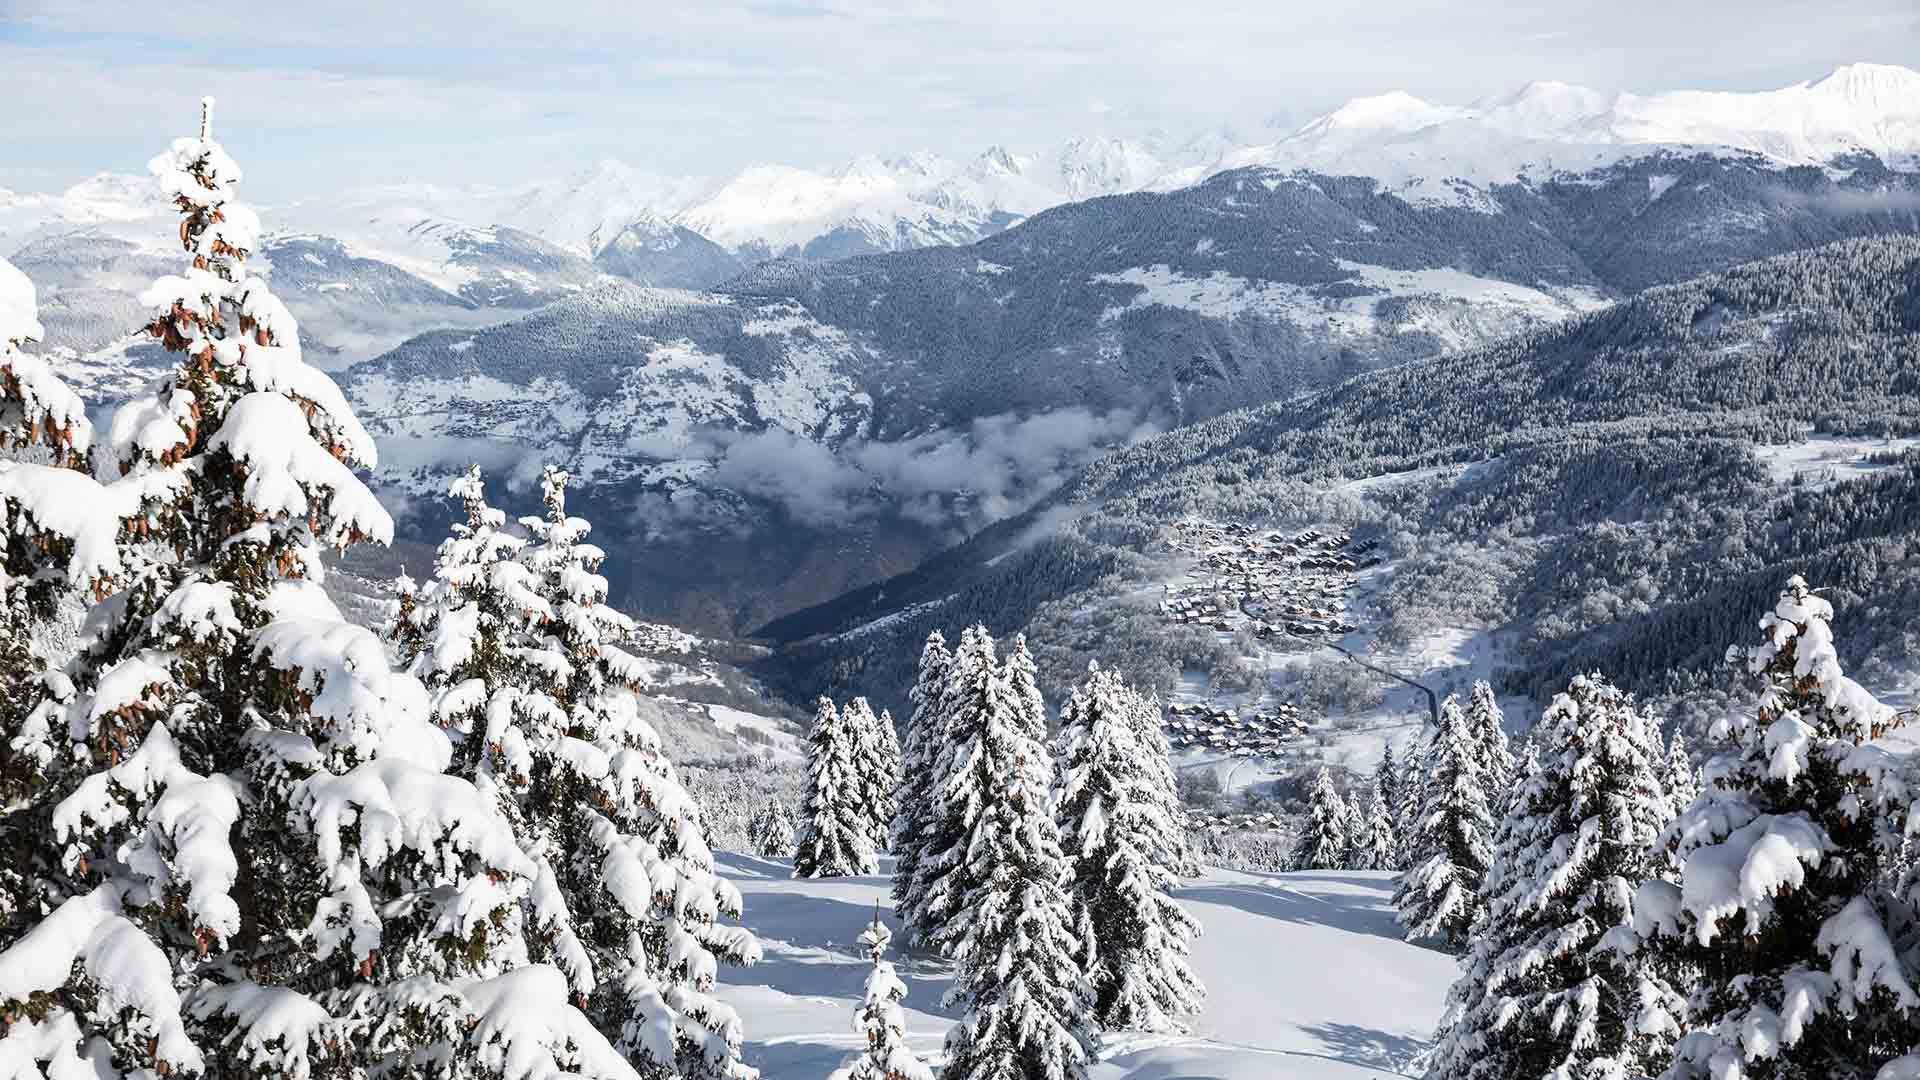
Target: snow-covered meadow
[{"x": 1306, "y": 977}]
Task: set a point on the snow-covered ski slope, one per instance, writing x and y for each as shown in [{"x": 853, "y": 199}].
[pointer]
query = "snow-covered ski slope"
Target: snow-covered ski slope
[{"x": 1307, "y": 979}]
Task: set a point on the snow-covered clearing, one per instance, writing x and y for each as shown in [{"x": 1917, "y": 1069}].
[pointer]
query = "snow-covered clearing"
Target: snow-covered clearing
[
  {"x": 1457, "y": 301},
  {"x": 1826, "y": 460},
  {"x": 1307, "y": 979},
  {"x": 770, "y": 730}
]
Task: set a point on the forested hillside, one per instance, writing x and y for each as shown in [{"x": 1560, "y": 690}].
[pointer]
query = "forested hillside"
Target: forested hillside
[
  {"x": 815, "y": 426},
  {"x": 1605, "y": 490}
]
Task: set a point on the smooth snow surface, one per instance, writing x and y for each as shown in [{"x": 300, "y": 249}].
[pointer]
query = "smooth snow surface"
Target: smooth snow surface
[
  {"x": 1306, "y": 974},
  {"x": 19, "y": 312}
]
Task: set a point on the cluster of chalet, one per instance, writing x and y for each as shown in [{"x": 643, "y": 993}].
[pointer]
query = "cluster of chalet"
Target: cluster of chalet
[
  {"x": 1254, "y": 734},
  {"x": 1280, "y": 584}
]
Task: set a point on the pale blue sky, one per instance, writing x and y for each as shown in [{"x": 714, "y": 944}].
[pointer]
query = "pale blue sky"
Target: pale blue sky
[{"x": 326, "y": 93}]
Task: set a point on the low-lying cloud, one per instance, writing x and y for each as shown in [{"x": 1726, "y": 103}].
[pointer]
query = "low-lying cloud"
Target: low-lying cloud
[
  {"x": 996, "y": 467},
  {"x": 1849, "y": 202}
]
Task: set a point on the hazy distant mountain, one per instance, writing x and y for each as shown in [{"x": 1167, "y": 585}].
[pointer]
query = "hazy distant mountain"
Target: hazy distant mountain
[{"x": 808, "y": 424}]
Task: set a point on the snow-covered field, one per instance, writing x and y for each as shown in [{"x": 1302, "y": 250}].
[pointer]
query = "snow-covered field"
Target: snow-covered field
[
  {"x": 1821, "y": 461},
  {"x": 1307, "y": 979}
]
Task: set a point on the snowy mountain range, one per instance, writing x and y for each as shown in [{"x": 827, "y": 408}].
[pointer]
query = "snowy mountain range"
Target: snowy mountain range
[
  {"x": 1419, "y": 149},
  {"x": 800, "y": 426}
]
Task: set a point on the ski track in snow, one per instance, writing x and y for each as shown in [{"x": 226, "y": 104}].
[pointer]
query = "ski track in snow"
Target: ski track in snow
[{"x": 1305, "y": 969}]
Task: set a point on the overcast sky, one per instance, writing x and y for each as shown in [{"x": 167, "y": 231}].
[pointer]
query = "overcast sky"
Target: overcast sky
[{"x": 323, "y": 93}]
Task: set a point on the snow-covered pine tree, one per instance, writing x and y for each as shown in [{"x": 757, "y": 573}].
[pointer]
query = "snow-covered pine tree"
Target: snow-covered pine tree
[
  {"x": 1157, "y": 757},
  {"x": 364, "y": 914},
  {"x": 771, "y": 830},
  {"x": 42, "y": 420},
  {"x": 1550, "y": 986},
  {"x": 996, "y": 896},
  {"x": 1489, "y": 726},
  {"x": 1449, "y": 845},
  {"x": 913, "y": 802},
  {"x": 1358, "y": 829},
  {"x": 1382, "y": 850},
  {"x": 1783, "y": 903},
  {"x": 886, "y": 1056},
  {"x": 1158, "y": 780},
  {"x": 515, "y": 641},
  {"x": 1683, "y": 780},
  {"x": 1416, "y": 767},
  {"x": 1323, "y": 842},
  {"x": 1387, "y": 781},
  {"x": 876, "y": 761},
  {"x": 836, "y": 833},
  {"x": 1118, "y": 836}
]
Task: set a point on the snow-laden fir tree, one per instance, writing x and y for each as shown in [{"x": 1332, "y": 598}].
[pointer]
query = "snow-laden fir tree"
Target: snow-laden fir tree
[
  {"x": 1784, "y": 903},
  {"x": 1683, "y": 780},
  {"x": 1387, "y": 790},
  {"x": 1119, "y": 837},
  {"x": 1550, "y": 986},
  {"x": 1358, "y": 829},
  {"x": 878, "y": 1020},
  {"x": 771, "y": 830},
  {"x": 876, "y": 760},
  {"x": 1415, "y": 765},
  {"x": 996, "y": 900},
  {"x": 1382, "y": 848},
  {"x": 1158, "y": 781},
  {"x": 42, "y": 420},
  {"x": 515, "y": 641},
  {"x": 836, "y": 832},
  {"x": 1489, "y": 726},
  {"x": 1449, "y": 844},
  {"x": 1323, "y": 843},
  {"x": 916, "y": 824},
  {"x": 255, "y": 862}
]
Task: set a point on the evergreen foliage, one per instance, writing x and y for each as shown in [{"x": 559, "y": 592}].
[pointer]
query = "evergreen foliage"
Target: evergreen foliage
[
  {"x": 1120, "y": 839},
  {"x": 836, "y": 832},
  {"x": 1790, "y": 902},
  {"x": 1438, "y": 895},
  {"x": 1551, "y": 986}
]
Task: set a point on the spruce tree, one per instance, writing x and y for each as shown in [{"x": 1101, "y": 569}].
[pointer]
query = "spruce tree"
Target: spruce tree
[
  {"x": 1357, "y": 827},
  {"x": 997, "y": 900},
  {"x": 1323, "y": 842},
  {"x": 1785, "y": 903},
  {"x": 1449, "y": 846},
  {"x": 771, "y": 830},
  {"x": 1489, "y": 727},
  {"x": 1683, "y": 780},
  {"x": 1387, "y": 780},
  {"x": 1550, "y": 986},
  {"x": 515, "y": 641},
  {"x": 1118, "y": 836},
  {"x": 1157, "y": 756},
  {"x": 913, "y": 803},
  {"x": 876, "y": 759},
  {"x": 45, "y": 422},
  {"x": 1382, "y": 849},
  {"x": 836, "y": 834},
  {"x": 256, "y": 862},
  {"x": 1416, "y": 769},
  {"x": 885, "y": 1056}
]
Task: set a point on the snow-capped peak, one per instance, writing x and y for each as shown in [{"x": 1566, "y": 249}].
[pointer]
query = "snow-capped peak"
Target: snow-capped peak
[
  {"x": 1545, "y": 110},
  {"x": 1395, "y": 111},
  {"x": 1872, "y": 107}
]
